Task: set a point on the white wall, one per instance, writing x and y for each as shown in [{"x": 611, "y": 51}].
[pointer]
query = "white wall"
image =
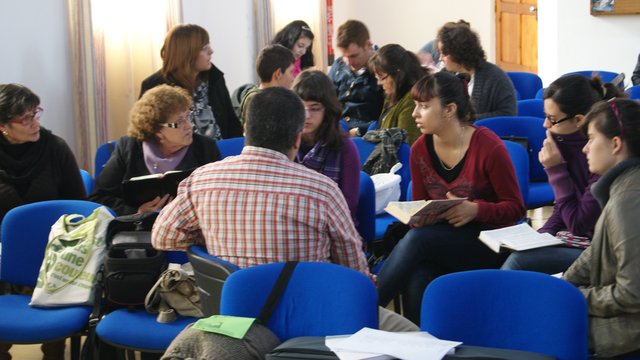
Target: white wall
[
  {"x": 412, "y": 23},
  {"x": 570, "y": 39},
  {"x": 35, "y": 53},
  {"x": 231, "y": 29}
]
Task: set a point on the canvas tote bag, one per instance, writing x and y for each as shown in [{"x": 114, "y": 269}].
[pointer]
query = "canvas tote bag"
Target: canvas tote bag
[{"x": 72, "y": 257}]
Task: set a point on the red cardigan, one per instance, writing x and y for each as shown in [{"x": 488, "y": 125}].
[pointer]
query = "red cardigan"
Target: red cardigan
[{"x": 487, "y": 178}]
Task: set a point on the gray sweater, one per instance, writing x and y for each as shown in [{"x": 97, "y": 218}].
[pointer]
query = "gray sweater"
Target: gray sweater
[{"x": 493, "y": 93}]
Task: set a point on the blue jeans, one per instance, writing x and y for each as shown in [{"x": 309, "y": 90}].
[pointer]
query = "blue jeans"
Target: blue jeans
[
  {"x": 548, "y": 260},
  {"x": 426, "y": 253}
]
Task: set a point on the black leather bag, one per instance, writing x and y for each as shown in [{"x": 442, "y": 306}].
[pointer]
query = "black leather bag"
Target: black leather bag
[{"x": 131, "y": 264}]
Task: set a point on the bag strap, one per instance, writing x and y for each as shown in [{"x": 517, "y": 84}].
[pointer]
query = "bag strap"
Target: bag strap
[{"x": 276, "y": 292}]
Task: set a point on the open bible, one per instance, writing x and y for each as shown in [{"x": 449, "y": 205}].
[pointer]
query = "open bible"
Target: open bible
[
  {"x": 420, "y": 212},
  {"x": 141, "y": 189},
  {"x": 517, "y": 238}
]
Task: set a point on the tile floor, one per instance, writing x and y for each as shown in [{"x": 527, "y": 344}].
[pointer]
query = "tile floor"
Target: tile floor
[{"x": 32, "y": 352}]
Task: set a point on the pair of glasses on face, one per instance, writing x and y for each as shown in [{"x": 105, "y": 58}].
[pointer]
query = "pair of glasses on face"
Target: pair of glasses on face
[
  {"x": 381, "y": 78},
  {"x": 182, "y": 121},
  {"x": 556, "y": 122},
  {"x": 28, "y": 119}
]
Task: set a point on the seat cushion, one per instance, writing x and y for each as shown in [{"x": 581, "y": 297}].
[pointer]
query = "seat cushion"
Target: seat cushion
[
  {"x": 21, "y": 323},
  {"x": 139, "y": 330}
]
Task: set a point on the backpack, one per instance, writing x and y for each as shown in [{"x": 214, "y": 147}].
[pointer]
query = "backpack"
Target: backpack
[
  {"x": 239, "y": 94},
  {"x": 131, "y": 264}
]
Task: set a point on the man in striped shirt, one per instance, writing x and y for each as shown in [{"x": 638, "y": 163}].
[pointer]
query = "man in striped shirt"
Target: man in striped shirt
[{"x": 261, "y": 207}]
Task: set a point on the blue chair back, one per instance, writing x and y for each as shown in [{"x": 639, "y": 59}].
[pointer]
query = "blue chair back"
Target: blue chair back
[
  {"x": 522, "y": 126},
  {"x": 531, "y": 107},
  {"x": 25, "y": 233},
  {"x": 366, "y": 213},
  {"x": 103, "y": 153},
  {"x": 87, "y": 180},
  {"x": 606, "y": 76},
  {"x": 520, "y": 160},
  {"x": 539, "y": 93},
  {"x": 231, "y": 146},
  {"x": 364, "y": 150},
  {"x": 320, "y": 299},
  {"x": 633, "y": 92},
  {"x": 518, "y": 310},
  {"x": 525, "y": 83}
]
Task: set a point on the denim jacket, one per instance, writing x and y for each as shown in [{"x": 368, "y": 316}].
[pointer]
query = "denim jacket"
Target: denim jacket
[{"x": 359, "y": 93}]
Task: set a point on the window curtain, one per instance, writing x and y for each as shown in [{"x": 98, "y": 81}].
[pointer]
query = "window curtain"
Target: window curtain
[{"x": 115, "y": 44}]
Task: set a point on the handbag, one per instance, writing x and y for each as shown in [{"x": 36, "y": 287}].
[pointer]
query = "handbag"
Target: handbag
[
  {"x": 174, "y": 292},
  {"x": 258, "y": 341},
  {"x": 72, "y": 258}
]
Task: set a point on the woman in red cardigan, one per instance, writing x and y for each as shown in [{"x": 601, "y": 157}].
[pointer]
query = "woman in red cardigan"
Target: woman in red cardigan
[{"x": 452, "y": 159}]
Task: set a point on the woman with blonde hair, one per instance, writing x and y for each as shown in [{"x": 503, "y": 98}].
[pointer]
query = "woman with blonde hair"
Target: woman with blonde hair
[
  {"x": 186, "y": 62},
  {"x": 160, "y": 139}
]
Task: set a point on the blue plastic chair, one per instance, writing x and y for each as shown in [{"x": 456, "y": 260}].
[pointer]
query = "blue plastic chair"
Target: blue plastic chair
[
  {"x": 137, "y": 330},
  {"x": 230, "y": 146},
  {"x": 320, "y": 299},
  {"x": 520, "y": 160},
  {"x": 531, "y": 107},
  {"x": 539, "y": 93},
  {"x": 364, "y": 149},
  {"x": 25, "y": 234},
  {"x": 103, "y": 153},
  {"x": 525, "y": 83},
  {"x": 517, "y": 310},
  {"x": 633, "y": 92},
  {"x": 606, "y": 76},
  {"x": 366, "y": 213},
  {"x": 87, "y": 180},
  {"x": 210, "y": 272},
  {"x": 540, "y": 192}
]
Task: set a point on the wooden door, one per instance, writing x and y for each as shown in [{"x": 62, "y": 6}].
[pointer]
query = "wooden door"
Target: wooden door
[{"x": 517, "y": 35}]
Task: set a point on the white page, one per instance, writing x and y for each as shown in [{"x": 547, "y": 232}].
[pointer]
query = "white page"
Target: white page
[
  {"x": 333, "y": 343},
  {"x": 409, "y": 346}
]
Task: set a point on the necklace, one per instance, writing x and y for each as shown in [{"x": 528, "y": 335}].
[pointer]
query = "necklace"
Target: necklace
[{"x": 458, "y": 153}]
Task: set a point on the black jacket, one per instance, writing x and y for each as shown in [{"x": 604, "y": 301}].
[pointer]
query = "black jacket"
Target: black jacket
[
  {"x": 127, "y": 161},
  {"x": 219, "y": 100}
]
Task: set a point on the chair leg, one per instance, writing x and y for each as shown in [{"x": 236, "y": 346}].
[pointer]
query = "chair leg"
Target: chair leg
[{"x": 75, "y": 347}]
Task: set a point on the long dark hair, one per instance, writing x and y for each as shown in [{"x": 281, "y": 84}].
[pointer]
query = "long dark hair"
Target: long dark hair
[
  {"x": 575, "y": 94},
  {"x": 402, "y": 65},
  {"x": 288, "y": 36},
  {"x": 618, "y": 117},
  {"x": 314, "y": 85},
  {"x": 450, "y": 88}
]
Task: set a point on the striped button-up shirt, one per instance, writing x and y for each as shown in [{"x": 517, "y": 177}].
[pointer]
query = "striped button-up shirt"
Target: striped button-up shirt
[{"x": 260, "y": 207}]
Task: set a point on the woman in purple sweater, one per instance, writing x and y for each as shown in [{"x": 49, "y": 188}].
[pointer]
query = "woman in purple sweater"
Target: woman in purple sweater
[
  {"x": 325, "y": 147},
  {"x": 566, "y": 101}
]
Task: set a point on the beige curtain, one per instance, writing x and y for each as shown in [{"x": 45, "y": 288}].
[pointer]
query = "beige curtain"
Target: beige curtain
[{"x": 115, "y": 44}]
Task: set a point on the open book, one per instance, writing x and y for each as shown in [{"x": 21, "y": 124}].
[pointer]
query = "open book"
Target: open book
[
  {"x": 517, "y": 238},
  {"x": 420, "y": 212},
  {"x": 141, "y": 189}
]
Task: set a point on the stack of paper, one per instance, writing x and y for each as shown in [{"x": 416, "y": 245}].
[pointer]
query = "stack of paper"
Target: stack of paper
[{"x": 381, "y": 345}]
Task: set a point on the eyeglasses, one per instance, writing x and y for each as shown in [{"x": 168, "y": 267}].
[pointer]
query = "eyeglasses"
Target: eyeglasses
[
  {"x": 28, "y": 119},
  {"x": 556, "y": 122},
  {"x": 616, "y": 114},
  {"x": 381, "y": 78},
  {"x": 184, "y": 120}
]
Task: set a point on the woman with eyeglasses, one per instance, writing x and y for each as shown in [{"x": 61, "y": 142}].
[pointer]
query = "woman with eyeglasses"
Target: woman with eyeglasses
[
  {"x": 35, "y": 165},
  {"x": 186, "y": 62},
  {"x": 396, "y": 70},
  {"x": 297, "y": 37},
  {"x": 325, "y": 147},
  {"x": 566, "y": 102},
  {"x": 160, "y": 139},
  {"x": 608, "y": 272}
]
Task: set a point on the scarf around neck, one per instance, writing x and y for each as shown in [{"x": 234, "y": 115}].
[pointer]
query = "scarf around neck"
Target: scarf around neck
[
  {"x": 20, "y": 163},
  {"x": 156, "y": 163},
  {"x": 321, "y": 159}
]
